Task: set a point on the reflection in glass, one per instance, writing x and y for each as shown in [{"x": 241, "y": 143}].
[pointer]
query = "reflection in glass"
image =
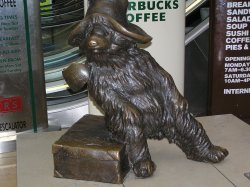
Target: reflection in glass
[{"x": 58, "y": 18}]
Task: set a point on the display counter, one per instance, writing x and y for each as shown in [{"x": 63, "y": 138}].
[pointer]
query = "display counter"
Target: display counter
[{"x": 35, "y": 162}]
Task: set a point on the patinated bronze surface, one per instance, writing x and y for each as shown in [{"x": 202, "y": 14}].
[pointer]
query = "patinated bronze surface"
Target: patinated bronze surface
[
  {"x": 139, "y": 98},
  {"x": 86, "y": 152}
]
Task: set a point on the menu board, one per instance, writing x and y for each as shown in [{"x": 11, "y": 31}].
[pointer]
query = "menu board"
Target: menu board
[
  {"x": 230, "y": 57},
  {"x": 22, "y": 92}
]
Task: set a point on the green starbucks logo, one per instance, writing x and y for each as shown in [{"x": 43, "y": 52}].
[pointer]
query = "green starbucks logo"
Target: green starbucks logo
[{"x": 151, "y": 10}]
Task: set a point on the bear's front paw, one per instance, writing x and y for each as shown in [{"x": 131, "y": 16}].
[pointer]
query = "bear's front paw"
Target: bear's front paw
[{"x": 144, "y": 168}]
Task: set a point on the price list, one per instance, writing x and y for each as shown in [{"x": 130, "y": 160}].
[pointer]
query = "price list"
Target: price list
[
  {"x": 230, "y": 57},
  {"x": 10, "y": 41},
  {"x": 237, "y": 68}
]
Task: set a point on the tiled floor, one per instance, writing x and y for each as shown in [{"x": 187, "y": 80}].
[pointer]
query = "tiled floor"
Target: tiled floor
[{"x": 8, "y": 169}]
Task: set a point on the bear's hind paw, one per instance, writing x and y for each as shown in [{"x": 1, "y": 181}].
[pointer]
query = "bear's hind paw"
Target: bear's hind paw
[
  {"x": 216, "y": 154},
  {"x": 144, "y": 168},
  {"x": 213, "y": 154}
]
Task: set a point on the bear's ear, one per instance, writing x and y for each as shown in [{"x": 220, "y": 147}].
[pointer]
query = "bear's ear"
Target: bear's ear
[{"x": 77, "y": 36}]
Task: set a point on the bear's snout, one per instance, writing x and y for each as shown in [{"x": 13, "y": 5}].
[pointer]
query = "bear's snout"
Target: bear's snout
[{"x": 97, "y": 40}]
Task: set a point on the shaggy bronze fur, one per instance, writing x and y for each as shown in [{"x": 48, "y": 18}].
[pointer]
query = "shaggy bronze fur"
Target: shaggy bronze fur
[{"x": 140, "y": 99}]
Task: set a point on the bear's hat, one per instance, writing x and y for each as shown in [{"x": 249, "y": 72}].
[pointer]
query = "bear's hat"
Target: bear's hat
[{"x": 114, "y": 13}]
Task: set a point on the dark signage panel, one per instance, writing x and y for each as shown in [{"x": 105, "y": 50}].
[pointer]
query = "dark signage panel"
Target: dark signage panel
[
  {"x": 22, "y": 87},
  {"x": 230, "y": 57}
]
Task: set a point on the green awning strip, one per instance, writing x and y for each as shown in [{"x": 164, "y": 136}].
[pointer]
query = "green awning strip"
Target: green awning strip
[{"x": 30, "y": 71}]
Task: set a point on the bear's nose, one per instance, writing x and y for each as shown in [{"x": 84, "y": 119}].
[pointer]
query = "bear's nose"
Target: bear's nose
[
  {"x": 92, "y": 43},
  {"x": 97, "y": 42}
]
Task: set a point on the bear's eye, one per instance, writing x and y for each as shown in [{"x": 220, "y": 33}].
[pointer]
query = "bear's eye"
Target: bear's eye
[{"x": 100, "y": 30}]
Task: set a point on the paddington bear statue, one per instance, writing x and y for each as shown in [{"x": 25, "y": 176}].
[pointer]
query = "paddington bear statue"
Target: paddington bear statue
[{"x": 138, "y": 97}]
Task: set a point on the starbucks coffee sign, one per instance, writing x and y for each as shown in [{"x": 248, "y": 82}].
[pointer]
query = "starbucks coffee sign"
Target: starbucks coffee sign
[
  {"x": 158, "y": 19},
  {"x": 150, "y": 11}
]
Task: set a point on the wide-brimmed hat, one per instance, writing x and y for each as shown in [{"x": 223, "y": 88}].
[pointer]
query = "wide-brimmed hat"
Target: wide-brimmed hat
[{"x": 111, "y": 12}]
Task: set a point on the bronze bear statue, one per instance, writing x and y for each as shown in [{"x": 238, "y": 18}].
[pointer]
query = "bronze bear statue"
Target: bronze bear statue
[{"x": 139, "y": 98}]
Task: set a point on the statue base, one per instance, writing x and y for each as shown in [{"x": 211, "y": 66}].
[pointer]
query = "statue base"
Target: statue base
[{"x": 86, "y": 152}]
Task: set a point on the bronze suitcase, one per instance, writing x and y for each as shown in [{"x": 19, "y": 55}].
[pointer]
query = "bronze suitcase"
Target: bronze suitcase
[{"x": 85, "y": 152}]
